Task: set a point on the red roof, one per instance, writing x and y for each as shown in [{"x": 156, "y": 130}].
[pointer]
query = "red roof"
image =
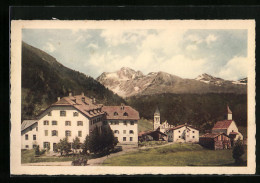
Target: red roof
[
  {"x": 222, "y": 124},
  {"x": 82, "y": 103},
  {"x": 121, "y": 112},
  {"x": 180, "y": 126}
]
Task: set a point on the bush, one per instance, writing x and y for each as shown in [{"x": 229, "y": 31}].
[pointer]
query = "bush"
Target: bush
[
  {"x": 79, "y": 162},
  {"x": 37, "y": 151},
  {"x": 63, "y": 146},
  {"x": 100, "y": 143},
  {"x": 238, "y": 151}
]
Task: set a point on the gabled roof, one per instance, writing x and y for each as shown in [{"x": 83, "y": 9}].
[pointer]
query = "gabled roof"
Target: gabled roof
[
  {"x": 222, "y": 124},
  {"x": 180, "y": 126},
  {"x": 212, "y": 135},
  {"x": 27, "y": 123},
  {"x": 81, "y": 103},
  {"x": 150, "y": 132},
  {"x": 130, "y": 113}
]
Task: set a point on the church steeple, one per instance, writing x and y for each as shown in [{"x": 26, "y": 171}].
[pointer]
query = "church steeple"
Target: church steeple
[
  {"x": 229, "y": 113},
  {"x": 156, "y": 122}
]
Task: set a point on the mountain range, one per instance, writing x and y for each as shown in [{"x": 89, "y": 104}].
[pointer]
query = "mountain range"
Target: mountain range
[
  {"x": 127, "y": 82},
  {"x": 200, "y": 101}
]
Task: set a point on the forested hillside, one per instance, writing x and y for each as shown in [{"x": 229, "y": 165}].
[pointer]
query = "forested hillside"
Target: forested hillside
[
  {"x": 201, "y": 110},
  {"x": 44, "y": 79}
]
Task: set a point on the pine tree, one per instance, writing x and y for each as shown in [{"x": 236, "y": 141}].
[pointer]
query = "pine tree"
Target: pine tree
[
  {"x": 85, "y": 145},
  {"x": 76, "y": 144}
]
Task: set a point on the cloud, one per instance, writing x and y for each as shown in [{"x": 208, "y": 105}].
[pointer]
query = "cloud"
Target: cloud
[
  {"x": 182, "y": 52},
  {"x": 210, "y": 38},
  {"x": 49, "y": 47},
  {"x": 191, "y": 47},
  {"x": 235, "y": 69},
  {"x": 168, "y": 41},
  {"x": 194, "y": 39},
  {"x": 91, "y": 45},
  {"x": 182, "y": 66},
  {"x": 115, "y": 37}
]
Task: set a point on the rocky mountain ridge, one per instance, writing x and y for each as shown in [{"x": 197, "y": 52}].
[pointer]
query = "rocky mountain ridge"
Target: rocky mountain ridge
[{"x": 127, "y": 82}]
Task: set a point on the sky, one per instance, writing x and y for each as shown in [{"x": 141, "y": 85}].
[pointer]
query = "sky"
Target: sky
[{"x": 186, "y": 53}]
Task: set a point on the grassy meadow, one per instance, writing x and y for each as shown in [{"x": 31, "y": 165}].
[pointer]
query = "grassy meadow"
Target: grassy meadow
[
  {"x": 175, "y": 155},
  {"x": 28, "y": 156}
]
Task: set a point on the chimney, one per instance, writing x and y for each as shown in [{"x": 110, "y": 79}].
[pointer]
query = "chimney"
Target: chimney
[
  {"x": 82, "y": 94},
  {"x": 58, "y": 98},
  {"x": 93, "y": 100},
  {"x": 70, "y": 94},
  {"x": 122, "y": 106}
]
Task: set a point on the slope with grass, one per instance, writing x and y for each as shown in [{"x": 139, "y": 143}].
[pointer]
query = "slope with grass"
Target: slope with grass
[
  {"x": 175, "y": 155},
  {"x": 145, "y": 125}
]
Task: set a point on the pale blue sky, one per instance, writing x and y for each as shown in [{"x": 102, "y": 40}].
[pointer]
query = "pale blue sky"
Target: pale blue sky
[{"x": 185, "y": 53}]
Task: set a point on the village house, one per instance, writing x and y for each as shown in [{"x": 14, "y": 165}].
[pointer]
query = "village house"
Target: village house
[
  {"x": 71, "y": 116},
  {"x": 123, "y": 121},
  {"x": 222, "y": 135},
  {"x": 152, "y": 135},
  {"x": 29, "y": 130},
  {"x": 228, "y": 127},
  {"x": 215, "y": 141},
  {"x": 183, "y": 133}
]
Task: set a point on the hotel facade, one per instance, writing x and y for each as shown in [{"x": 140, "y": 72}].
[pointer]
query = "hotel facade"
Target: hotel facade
[{"x": 77, "y": 116}]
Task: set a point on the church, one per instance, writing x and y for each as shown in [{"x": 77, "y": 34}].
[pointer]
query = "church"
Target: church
[{"x": 180, "y": 133}]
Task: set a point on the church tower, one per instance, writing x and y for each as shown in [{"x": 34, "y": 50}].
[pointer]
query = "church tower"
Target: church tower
[
  {"x": 156, "y": 121},
  {"x": 229, "y": 113}
]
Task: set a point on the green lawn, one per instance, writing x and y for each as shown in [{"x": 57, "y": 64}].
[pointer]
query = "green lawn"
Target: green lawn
[
  {"x": 28, "y": 157},
  {"x": 144, "y": 125},
  {"x": 175, "y": 155}
]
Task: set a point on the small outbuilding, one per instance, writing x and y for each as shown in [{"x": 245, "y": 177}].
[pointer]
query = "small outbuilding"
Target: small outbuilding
[
  {"x": 152, "y": 135},
  {"x": 215, "y": 141}
]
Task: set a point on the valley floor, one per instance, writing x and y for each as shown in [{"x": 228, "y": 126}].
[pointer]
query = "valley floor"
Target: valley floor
[
  {"x": 175, "y": 155},
  {"x": 170, "y": 154}
]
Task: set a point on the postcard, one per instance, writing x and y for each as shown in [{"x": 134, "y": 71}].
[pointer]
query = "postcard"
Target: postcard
[{"x": 130, "y": 97}]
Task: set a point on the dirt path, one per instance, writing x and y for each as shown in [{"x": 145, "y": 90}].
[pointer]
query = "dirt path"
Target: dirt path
[{"x": 96, "y": 161}]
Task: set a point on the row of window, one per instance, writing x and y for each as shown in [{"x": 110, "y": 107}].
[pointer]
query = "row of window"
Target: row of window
[
  {"x": 27, "y": 137},
  {"x": 63, "y": 113},
  {"x": 67, "y": 133},
  {"x": 67, "y": 123},
  {"x": 117, "y": 122},
  {"x": 27, "y": 146},
  {"x": 192, "y": 137},
  {"x": 124, "y": 132},
  {"x": 130, "y": 139},
  {"x": 192, "y": 131},
  {"x": 94, "y": 121}
]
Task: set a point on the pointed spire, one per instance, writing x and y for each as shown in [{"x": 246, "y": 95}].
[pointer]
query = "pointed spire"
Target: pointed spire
[
  {"x": 228, "y": 110},
  {"x": 157, "y": 111}
]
